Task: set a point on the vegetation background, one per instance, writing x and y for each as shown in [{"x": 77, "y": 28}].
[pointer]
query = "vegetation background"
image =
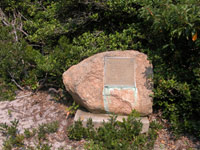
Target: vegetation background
[{"x": 40, "y": 39}]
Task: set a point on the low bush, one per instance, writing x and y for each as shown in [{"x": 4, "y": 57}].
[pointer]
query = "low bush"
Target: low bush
[
  {"x": 16, "y": 140},
  {"x": 115, "y": 135}
]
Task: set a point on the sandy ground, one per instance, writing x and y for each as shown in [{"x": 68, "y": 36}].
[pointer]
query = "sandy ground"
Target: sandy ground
[{"x": 34, "y": 109}]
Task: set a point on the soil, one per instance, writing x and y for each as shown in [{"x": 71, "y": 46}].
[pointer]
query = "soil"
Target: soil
[
  {"x": 168, "y": 141},
  {"x": 34, "y": 109}
]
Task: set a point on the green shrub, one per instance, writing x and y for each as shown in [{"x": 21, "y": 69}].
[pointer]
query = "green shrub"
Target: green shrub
[
  {"x": 11, "y": 132},
  {"x": 175, "y": 56},
  {"x": 16, "y": 140},
  {"x": 47, "y": 128},
  {"x": 114, "y": 134}
]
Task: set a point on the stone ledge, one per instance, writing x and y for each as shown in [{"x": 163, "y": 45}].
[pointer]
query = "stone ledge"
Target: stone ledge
[{"x": 99, "y": 118}]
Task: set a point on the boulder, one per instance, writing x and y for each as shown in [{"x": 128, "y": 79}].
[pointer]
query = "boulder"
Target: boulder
[{"x": 112, "y": 82}]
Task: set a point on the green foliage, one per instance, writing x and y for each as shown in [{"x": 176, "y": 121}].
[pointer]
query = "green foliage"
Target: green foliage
[
  {"x": 7, "y": 90},
  {"x": 114, "y": 134},
  {"x": 28, "y": 133},
  {"x": 76, "y": 132},
  {"x": 16, "y": 140},
  {"x": 42, "y": 146},
  {"x": 47, "y": 129},
  {"x": 92, "y": 43},
  {"x": 176, "y": 56},
  {"x": 11, "y": 132},
  {"x": 73, "y": 108}
]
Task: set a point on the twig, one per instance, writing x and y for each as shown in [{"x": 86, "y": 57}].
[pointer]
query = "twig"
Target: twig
[
  {"x": 14, "y": 28},
  {"x": 23, "y": 16},
  {"x": 21, "y": 88},
  {"x": 17, "y": 25},
  {"x": 5, "y": 23},
  {"x": 23, "y": 96},
  {"x": 3, "y": 18},
  {"x": 42, "y": 84},
  {"x": 20, "y": 28},
  {"x": 23, "y": 31},
  {"x": 13, "y": 80},
  {"x": 35, "y": 45}
]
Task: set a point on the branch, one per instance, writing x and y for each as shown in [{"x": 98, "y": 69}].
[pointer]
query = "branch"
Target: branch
[
  {"x": 13, "y": 80},
  {"x": 14, "y": 28},
  {"x": 3, "y": 18},
  {"x": 15, "y": 32},
  {"x": 21, "y": 88},
  {"x": 42, "y": 84},
  {"x": 20, "y": 28},
  {"x": 22, "y": 16},
  {"x": 22, "y": 31},
  {"x": 14, "y": 23},
  {"x": 24, "y": 96}
]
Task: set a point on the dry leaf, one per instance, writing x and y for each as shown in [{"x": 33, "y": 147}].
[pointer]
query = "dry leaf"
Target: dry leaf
[
  {"x": 162, "y": 141},
  {"x": 194, "y": 37},
  {"x": 67, "y": 114}
]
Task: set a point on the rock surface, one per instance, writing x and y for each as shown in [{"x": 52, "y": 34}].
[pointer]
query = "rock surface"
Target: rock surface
[{"x": 85, "y": 82}]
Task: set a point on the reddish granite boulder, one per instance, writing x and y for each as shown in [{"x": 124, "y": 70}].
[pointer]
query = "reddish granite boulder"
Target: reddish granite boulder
[{"x": 115, "y": 81}]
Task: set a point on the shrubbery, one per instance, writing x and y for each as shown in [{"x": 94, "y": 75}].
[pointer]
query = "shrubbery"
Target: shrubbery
[
  {"x": 16, "y": 140},
  {"x": 115, "y": 135},
  {"x": 39, "y": 40}
]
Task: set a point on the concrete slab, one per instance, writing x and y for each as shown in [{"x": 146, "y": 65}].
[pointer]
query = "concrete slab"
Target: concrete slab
[{"x": 99, "y": 118}]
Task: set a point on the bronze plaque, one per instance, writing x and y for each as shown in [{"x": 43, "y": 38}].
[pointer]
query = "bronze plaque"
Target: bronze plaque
[{"x": 119, "y": 71}]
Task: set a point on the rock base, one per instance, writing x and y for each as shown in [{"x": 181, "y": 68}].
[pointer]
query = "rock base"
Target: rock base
[{"x": 98, "y": 119}]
